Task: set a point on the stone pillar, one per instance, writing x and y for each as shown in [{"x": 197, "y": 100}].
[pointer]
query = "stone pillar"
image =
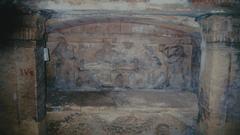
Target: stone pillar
[
  {"x": 219, "y": 94},
  {"x": 23, "y": 79}
]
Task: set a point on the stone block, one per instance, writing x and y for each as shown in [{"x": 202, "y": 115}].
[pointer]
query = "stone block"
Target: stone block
[
  {"x": 126, "y": 28},
  {"x": 114, "y": 27},
  {"x": 89, "y": 28}
]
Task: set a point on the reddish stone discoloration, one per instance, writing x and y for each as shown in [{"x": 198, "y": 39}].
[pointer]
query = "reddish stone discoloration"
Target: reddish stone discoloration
[
  {"x": 21, "y": 96},
  {"x": 27, "y": 72}
]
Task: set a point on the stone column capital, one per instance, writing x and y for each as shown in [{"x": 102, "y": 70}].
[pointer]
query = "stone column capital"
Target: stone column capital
[
  {"x": 31, "y": 27},
  {"x": 223, "y": 29}
]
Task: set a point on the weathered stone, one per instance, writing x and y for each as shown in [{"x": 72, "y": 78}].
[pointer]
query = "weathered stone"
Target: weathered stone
[
  {"x": 218, "y": 74},
  {"x": 23, "y": 74},
  {"x": 131, "y": 55},
  {"x": 122, "y": 45},
  {"x": 120, "y": 113}
]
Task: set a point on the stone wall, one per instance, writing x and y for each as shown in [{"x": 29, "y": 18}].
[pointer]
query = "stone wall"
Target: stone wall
[
  {"x": 22, "y": 96},
  {"x": 121, "y": 54}
]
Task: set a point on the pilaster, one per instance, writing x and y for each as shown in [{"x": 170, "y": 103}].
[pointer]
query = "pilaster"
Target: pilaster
[
  {"x": 219, "y": 76},
  {"x": 23, "y": 88}
]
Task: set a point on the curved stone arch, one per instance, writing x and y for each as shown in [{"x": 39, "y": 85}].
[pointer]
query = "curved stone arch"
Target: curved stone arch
[
  {"x": 176, "y": 27},
  {"x": 161, "y": 35}
]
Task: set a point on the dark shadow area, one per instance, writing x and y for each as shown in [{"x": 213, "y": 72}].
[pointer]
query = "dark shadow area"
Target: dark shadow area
[{"x": 9, "y": 23}]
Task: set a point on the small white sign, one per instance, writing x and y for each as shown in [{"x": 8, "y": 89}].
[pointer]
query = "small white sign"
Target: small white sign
[{"x": 46, "y": 54}]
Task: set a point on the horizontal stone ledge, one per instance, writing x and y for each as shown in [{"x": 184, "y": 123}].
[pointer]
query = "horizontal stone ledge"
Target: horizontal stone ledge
[
  {"x": 213, "y": 2},
  {"x": 114, "y": 44},
  {"x": 155, "y": 100},
  {"x": 148, "y": 41}
]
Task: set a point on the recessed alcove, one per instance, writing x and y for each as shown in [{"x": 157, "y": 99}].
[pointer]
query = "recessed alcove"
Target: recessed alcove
[{"x": 123, "y": 75}]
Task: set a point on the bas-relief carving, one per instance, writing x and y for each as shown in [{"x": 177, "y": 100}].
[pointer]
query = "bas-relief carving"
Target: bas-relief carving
[
  {"x": 127, "y": 124},
  {"x": 128, "y": 63}
]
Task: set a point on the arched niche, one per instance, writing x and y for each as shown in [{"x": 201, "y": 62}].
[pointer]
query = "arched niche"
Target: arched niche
[{"x": 122, "y": 53}]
